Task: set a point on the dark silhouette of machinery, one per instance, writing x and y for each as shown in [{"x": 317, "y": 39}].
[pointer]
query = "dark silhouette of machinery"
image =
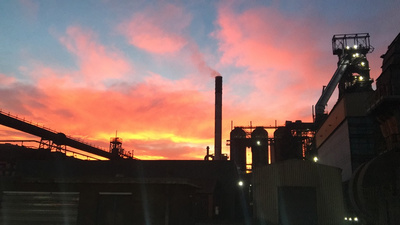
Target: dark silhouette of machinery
[
  {"x": 57, "y": 141},
  {"x": 293, "y": 141},
  {"x": 352, "y": 73},
  {"x": 361, "y": 133},
  {"x": 116, "y": 146},
  {"x": 242, "y": 138}
]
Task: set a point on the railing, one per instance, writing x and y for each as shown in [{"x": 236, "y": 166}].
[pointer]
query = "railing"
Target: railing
[
  {"x": 48, "y": 129},
  {"x": 72, "y": 153},
  {"x": 26, "y": 121}
]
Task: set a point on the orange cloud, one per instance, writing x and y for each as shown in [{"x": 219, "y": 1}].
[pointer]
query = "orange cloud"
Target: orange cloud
[
  {"x": 163, "y": 149},
  {"x": 144, "y": 114},
  {"x": 158, "y": 117},
  {"x": 157, "y": 31}
]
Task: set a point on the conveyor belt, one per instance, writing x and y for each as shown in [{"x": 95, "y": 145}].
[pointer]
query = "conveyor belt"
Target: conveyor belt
[{"x": 47, "y": 134}]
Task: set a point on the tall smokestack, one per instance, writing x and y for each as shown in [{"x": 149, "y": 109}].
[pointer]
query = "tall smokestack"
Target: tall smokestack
[{"x": 218, "y": 118}]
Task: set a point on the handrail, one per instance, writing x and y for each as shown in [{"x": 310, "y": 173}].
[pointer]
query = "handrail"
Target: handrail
[{"x": 48, "y": 129}]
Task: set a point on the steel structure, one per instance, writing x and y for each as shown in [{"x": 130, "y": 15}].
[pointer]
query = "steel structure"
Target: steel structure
[
  {"x": 352, "y": 73},
  {"x": 255, "y": 138},
  {"x": 51, "y": 139}
]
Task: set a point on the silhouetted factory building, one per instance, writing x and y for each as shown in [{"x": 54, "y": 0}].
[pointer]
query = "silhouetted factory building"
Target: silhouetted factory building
[
  {"x": 292, "y": 141},
  {"x": 41, "y": 187},
  {"x": 360, "y": 137},
  {"x": 375, "y": 186},
  {"x": 346, "y": 137}
]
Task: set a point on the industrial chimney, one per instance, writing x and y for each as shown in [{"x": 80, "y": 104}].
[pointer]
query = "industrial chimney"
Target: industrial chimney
[{"x": 218, "y": 118}]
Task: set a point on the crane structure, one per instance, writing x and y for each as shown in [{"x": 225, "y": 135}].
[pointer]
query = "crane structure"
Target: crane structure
[
  {"x": 55, "y": 140},
  {"x": 352, "y": 73}
]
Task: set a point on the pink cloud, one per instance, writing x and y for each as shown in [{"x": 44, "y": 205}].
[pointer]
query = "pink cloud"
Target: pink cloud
[
  {"x": 199, "y": 62},
  {"x": 166, "y": 34},
  {"x": 96, "y": 62},
  {"x": 285, "y": 62},
  {"x": 6, "y": 80},
  {"x": 160, "y": 34},
  {"x": 262, "y": 39},
  {"x": 17, "y": 95},
  {"x": 283, "y": 68}
]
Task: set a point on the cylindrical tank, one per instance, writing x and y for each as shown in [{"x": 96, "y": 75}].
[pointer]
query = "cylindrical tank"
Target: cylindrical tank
[
  {"x": 287, "y": 146},
  {"x": 373, "y": 190},
  {"x": 259, "y": 147},
  {"x": 283, "y": 140},
  {"x": 238, "y": 145}
]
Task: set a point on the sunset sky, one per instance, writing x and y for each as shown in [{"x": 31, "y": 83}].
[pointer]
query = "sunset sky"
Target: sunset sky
[{"x": 146, "y": 68}]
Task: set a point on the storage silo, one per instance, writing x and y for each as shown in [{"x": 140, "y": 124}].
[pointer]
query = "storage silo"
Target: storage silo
[
  {"x": 238, "y": 144},
  {"x": 287, "y": 146},
  {"x": 259, "y": 147}
]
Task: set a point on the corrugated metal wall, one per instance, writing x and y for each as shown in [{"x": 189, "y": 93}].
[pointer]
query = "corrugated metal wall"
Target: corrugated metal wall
[
  {"x": 336, "y": 151},
  {"x": 298, "y": 173},
  {"x": 21, "y": 208}
]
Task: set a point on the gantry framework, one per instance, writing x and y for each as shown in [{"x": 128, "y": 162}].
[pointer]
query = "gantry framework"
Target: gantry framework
[{"x": 352, "y": 73}]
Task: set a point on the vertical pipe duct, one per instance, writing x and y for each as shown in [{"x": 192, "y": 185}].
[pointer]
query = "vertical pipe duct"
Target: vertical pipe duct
[{"x": 218, "y": 118}]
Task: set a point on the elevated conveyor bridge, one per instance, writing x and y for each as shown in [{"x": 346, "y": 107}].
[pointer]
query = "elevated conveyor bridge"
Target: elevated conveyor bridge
[{"x": 51, "y": 139}]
